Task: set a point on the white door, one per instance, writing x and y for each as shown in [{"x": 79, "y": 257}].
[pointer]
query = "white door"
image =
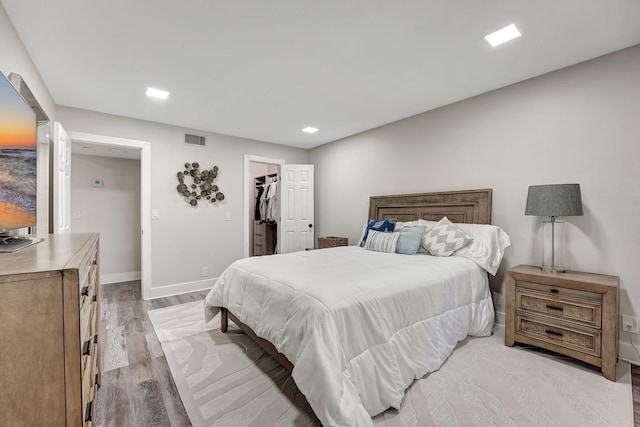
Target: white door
[
  {"x": 61, "y": 180},
  {"x": 296, "y": 208}
]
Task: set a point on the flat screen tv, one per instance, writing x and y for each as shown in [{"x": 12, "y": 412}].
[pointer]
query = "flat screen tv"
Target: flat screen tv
[{"x": 18, "y": 185}]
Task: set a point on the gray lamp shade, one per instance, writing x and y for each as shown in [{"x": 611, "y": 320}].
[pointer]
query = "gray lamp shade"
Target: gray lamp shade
[{"x": 554, "y": 200}]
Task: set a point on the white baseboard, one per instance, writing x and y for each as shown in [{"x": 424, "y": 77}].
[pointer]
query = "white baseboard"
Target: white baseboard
[
  {"x": 180, "y": 288},
  {"x": 500, "y": 318},
  {"x": 106, "y": 279}
]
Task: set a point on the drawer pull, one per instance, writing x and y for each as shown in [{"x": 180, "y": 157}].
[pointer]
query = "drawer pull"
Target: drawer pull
[
  {"x": 86, "y": 348},
  {"x": 557, "y": 334},
  {"x": 554, "y": 291},
  {"x": 95, "y": 298},
  {"x": 85, "y": 291},
  {"x": 88, "y": 413},
  {"x": 553, "y": 307},
  {"x": 95, "y": 339},
  {"x": 97, "y": 380}
]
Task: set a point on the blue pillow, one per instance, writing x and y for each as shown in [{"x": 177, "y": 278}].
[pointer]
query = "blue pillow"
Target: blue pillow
[
  {"x": 410, "y": 239},
  {"x": 377, "y": 225}
]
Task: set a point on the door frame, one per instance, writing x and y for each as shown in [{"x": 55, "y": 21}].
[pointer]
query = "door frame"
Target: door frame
[
  {"x": 248, "y": 194},
  {"x": 145, "y": 194},
  {"x": 61, "y": 193}
]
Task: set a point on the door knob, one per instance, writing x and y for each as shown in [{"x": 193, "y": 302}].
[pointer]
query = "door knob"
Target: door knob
[{"x": 310, "y": 225}]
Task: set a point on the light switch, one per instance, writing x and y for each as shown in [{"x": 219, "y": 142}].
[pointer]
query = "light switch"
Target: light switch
[{"x": 155, "y": 214}]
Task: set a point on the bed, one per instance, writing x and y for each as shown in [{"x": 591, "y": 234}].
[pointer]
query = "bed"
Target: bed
[{"x": 355, "y": 327}]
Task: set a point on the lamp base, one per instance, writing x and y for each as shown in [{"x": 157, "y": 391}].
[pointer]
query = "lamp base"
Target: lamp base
[
  {"x": 553, "y": 246},
  {"x": 553, "y": 269}
]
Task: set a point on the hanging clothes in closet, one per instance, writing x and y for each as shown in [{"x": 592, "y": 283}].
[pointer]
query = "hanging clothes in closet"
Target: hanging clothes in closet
[
  {"x": 267, "y": 202},
  {"x": 257, "y": 215}
]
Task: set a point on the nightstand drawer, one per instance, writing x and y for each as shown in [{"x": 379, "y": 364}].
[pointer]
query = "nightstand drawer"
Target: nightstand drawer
[
  {"x": 584, "y": 341},
  {"x": 576, "y": 310}
]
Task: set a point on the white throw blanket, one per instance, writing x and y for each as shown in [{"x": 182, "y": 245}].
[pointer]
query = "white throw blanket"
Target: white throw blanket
[{"x": 359, "y": 326}]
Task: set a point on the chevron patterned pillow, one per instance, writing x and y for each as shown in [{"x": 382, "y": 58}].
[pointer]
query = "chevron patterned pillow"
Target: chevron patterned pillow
[{"x": 445, "y": 238}]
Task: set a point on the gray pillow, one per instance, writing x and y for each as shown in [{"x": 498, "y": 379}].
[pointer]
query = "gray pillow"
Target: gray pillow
[{"x": 445, "y": 238}]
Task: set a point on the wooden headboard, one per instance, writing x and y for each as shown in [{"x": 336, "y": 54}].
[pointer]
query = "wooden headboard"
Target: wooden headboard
[{"x": 469, "y": 206}]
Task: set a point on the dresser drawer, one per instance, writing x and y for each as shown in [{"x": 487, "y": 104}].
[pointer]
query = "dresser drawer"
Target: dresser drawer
[
  {"x": 585, "y": 341},
  {"x": 88, "y": 413},
  {"x": 87, "y": 383},
  {"x": 87, "y": 271},
  {"x": 586, "y": 311}
]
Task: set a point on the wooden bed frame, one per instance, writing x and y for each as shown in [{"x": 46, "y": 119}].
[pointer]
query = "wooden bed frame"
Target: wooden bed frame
[{"x": 468, "y": 206}]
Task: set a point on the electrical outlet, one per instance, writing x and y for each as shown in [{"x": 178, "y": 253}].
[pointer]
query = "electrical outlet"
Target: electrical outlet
[
  {"x": 630, "y": 324},
  {"x": 205, "y": 271}
]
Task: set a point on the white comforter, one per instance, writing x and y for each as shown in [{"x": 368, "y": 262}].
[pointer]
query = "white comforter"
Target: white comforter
[{"x": 359, "y": 326}]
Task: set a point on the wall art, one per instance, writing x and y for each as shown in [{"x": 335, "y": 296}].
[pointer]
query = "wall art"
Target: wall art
[{"x": 196, "y": 185}]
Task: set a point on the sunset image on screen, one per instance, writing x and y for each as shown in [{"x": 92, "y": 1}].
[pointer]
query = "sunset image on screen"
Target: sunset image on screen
[
  {"x": 18, "y": 183},
  {"x": 16, "y": 128}
]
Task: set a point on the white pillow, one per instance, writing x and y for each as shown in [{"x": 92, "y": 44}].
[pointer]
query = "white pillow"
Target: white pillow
[
  {"x": 445, "y": 238},
  {"x": 381, "y": 241},
  {"x": 400, "y": 225},
  {"x": 487, "y": 248},
  {"x": 414, "y": 223}
]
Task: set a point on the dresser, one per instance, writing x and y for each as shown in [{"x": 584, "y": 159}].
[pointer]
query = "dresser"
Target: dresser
[
  {"x": 264, "y": 238},
  {"x": 49, "y": 332},
  {"x": 572, "y": 313}
]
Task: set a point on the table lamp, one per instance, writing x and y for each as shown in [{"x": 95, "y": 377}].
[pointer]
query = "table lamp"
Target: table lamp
[{"x": 553, "y": 201}]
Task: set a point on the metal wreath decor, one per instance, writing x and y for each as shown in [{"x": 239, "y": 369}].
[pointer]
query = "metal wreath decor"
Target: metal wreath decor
[{"x": 202, "y": 186}]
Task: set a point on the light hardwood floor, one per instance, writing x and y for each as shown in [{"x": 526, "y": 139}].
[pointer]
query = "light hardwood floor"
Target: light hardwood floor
[{"x": 137, "y": 388}]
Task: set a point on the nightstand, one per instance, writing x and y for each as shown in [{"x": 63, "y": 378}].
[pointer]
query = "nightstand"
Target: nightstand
[
  {"x": 332, "y": 242},
  {"x": 572, "y": 313}
]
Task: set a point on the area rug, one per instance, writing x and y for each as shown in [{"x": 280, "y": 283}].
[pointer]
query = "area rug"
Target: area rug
[{"x": 227, "y": 380}]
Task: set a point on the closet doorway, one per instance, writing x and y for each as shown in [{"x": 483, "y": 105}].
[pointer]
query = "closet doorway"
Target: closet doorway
[{"x": 262, "y": 207}]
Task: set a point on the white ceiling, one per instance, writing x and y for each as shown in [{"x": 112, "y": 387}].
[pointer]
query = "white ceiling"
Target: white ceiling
[
  {"x": 105, "y": 150},
  {"x": 266, "y": 69}
]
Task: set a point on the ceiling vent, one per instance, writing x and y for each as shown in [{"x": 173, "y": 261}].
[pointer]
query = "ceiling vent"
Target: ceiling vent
[{"x": 194, "y": 139}]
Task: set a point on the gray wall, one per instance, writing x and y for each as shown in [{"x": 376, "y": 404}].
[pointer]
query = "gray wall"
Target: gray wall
[
  {"x": 577, "y": 125},
  {"x": 112, "y": 210},
  {"x": 184, "y": 239}
]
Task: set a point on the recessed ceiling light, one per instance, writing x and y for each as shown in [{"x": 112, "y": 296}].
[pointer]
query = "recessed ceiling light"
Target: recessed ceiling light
[
  {"x": 503, "y": 35},
  {"x": 310, "y": 129},
  {"x": 157, "y": 93}
]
